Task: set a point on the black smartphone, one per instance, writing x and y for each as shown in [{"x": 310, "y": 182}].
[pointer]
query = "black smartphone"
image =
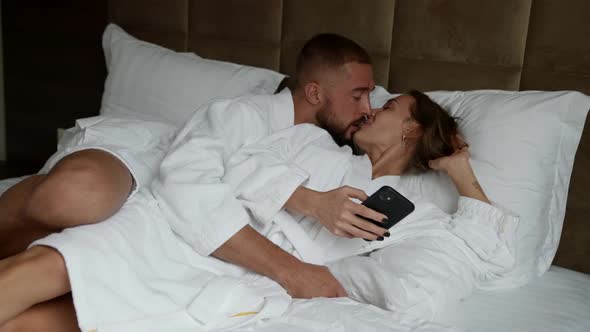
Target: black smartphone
[{"x": 391, "y": 203}]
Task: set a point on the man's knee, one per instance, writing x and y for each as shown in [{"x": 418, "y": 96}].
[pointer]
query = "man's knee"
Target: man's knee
[{"x": 85, "y": 187}]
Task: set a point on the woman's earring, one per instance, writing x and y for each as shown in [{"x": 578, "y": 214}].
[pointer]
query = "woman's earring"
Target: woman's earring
[{"x": 404, "y": 144}]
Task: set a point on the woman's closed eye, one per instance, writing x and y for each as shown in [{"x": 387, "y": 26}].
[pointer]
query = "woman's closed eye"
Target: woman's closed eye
[{"x": 389, "y": 105}]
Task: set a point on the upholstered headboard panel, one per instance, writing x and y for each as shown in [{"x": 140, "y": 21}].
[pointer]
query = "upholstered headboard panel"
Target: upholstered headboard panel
[{"x": 423, "y": 44}]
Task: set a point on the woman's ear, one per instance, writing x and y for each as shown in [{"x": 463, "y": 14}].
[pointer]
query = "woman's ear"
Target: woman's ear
[
  {"x": 412, "y": 133},
  {"x": 313, "y": 93}
]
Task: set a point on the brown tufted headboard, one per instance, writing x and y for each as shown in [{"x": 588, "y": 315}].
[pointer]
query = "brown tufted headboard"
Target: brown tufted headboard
[{"x": 423, "y": 44}]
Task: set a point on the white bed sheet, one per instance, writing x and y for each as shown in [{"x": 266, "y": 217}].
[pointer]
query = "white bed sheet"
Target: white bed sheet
[
  {"x": 7, "y": 183},
  {"x": 557, "y": 301}
]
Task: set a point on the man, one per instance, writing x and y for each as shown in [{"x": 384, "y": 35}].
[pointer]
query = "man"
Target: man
[{"x": 333, "y": 81}]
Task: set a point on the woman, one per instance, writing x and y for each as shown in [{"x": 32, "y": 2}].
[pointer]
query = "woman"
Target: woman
[
  {"x": 410, "y": 133},
  {"x": 406, "y": 134}
]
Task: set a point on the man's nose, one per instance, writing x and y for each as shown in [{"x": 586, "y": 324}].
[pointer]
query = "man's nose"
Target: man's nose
[{"x": 366, "y": 108}]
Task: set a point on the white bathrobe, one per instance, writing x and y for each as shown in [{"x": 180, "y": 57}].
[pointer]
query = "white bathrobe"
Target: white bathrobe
[
  {"x": 152, "y": 257},
  {"x": 148, "y": 265},
  {"x": 200, "y": 207}
]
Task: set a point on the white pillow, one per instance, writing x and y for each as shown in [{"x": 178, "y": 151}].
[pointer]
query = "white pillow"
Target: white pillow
[
  {"x": 522, "y": 148},
  {"x": 154, "y": 83}
]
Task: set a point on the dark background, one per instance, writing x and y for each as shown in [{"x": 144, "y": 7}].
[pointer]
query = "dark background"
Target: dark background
[{"x": 54, "y": 73}]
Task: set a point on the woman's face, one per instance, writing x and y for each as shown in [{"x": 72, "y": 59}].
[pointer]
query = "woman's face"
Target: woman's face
[{"x": 389, "y": 124}]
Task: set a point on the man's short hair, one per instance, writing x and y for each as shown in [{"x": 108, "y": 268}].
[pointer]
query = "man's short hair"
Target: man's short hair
[{"x": 327, "y": 51}]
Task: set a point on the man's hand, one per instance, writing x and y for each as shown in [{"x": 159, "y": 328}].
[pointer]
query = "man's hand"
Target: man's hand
[
  {"x": 308, "y": 281},
  {"x": 249, "y": 249}
]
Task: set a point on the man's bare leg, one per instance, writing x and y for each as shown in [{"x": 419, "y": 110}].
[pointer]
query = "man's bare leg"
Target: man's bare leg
[
  {"x": 16, "y": 233},
  {"x": 52, "y": 316},
  {"x": 83, "y": 188},
  {"x": 37, "y": 275}
]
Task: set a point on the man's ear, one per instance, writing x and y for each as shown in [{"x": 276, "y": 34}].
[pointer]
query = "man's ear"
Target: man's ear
[{"x": 313, "y": 93}]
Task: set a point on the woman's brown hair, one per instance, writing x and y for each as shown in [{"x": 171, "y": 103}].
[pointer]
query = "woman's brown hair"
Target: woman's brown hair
[{"x": 439, "y": 132}]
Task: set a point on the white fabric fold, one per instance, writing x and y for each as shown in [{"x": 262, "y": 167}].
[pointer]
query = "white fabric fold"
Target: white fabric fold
[
  {"x": 201, "y": 208},
  {"x": 230, "y": 302},
  {"x": 132, "y": 267}
]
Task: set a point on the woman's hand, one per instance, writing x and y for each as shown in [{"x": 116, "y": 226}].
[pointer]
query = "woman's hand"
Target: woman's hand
[
  {"x": 341, "y": 216},
  {"x": 458, "y": 167},
  {"x": 456, "y": 164},
  {"x": 336, "y": 211}
]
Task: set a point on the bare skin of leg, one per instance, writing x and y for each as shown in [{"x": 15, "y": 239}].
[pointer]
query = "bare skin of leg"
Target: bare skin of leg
[
  {"x": 53, "y": 316},
  {"x": 37, "y": 275},
  {"x": 85, "y": 187}
]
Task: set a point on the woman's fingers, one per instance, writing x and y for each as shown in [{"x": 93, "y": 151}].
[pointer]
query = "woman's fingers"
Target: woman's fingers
[
  {"x": 359, "y": 232},
  {"x": 366, "y": 226},
  {"x": 459, "y": 142},
  {"x": 355, "y": 193},
  {"x": 364, "y": 211},
  {"x": 435, "y": 164},
  {"x": 444, "y": 163},
  {"x": 344, "y": 218}
]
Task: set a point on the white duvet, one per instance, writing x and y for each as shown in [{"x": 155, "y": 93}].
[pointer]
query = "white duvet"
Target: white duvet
[{"x": 132, "y": 273}]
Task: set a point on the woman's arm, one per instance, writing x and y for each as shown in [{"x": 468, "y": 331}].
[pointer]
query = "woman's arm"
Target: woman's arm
[{"x": 458, "y": 167}]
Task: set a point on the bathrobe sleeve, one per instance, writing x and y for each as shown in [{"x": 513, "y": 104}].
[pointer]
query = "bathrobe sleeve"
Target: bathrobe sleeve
[
  {"x": 434, "y": 264},
  {"x": 200, "y": 207},
  {"x": 266, "y": 174},
  {"x": 490, "y": 233}
]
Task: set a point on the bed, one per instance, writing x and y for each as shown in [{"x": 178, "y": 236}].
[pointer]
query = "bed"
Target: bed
[{"x": 429, "y": 45}]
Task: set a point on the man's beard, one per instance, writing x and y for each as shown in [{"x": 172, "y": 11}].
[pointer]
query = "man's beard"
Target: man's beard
[
  {"x": 323, "y": 118},
  {"x": 342, "y": 141}
]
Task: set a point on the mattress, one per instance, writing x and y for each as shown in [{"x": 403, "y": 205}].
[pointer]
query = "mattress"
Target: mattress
[{"x": 557, "y": 301}]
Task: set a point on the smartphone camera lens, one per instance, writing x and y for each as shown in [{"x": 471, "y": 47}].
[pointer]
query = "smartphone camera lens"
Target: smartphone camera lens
[{"x": 385, "y": 197}]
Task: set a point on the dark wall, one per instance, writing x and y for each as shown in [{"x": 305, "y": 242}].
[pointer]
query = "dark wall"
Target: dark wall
[{"x": 54, "y": 72}]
